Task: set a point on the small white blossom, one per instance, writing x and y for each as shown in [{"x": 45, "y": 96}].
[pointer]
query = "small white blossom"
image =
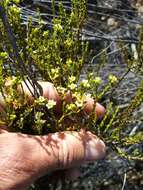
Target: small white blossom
[
  {"x": 72, "y": 79},
  {"x": 40, "y": 101},
  {"x": 97, "y": 81},
  {"x": 50, "y": 104},
  {"x": 79, "y": 104},
  {"x": 112, "y": 79},
  {"x": 85, "y": 83},
  {"x": 88, "y": 95},
  {"x": 72, "y": 86}
]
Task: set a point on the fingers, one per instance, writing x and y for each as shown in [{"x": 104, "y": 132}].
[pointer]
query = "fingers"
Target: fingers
[{"x": 50, "y": 92}]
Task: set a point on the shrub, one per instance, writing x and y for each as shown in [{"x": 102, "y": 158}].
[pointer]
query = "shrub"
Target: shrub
[{"x": 30, "y": 53}]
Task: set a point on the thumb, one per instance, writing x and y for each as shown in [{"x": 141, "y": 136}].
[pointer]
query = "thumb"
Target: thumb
[
  {"x": 66, "y": 150},
  {"x": 28, "y": 157}
]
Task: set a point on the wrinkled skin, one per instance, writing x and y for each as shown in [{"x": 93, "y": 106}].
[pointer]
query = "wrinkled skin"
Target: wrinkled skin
[{"x": 25, "y": 158}]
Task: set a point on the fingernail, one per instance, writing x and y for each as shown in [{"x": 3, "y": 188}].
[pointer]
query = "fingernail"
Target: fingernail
[{"x": 95, "y": 149}]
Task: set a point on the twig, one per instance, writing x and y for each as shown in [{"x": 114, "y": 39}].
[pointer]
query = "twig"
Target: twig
[{"x": 124, "y": 181}]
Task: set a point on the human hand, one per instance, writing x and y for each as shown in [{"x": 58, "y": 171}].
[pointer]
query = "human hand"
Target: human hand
[{"x": 25, "y": 158}]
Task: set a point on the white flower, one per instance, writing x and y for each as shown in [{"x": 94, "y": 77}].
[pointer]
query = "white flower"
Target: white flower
[
  {"x": 72, "y": 79},
  {"x": 85, "y": 83},
  {"x": 72, "y": 86},
  {"x": 112, "y": 79},
  {"x": 50, "y": 104},
  {"x": 97, "y": 81}
]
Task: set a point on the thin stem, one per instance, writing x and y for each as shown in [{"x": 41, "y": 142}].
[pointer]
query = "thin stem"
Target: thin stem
[{"x": 20, "y": 62}]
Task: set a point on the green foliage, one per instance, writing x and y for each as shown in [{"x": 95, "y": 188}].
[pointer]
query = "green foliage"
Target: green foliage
[{"x": 58, "y": 55}]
